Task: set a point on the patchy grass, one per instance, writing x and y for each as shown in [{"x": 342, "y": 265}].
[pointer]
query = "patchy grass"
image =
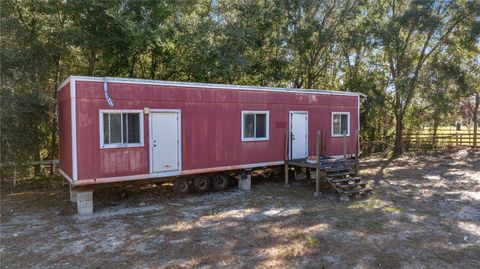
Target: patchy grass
[{"x": 424, "y": 212}]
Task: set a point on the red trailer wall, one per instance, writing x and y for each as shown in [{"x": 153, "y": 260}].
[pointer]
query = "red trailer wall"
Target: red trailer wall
[
  {"x": 65, "y": 129},
  {"x": 211, "y": 125}
]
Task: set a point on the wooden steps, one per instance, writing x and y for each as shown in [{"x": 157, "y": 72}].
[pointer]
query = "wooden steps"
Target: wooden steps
[
  {"x": 344, "y": 180},
  {"x": 362, "y": 184},
  {"x": 360, "y": 191},
  {"x": 340, "y": 174},
  {"x": 341, "y": 177},
  {"x": 337, "y": 169}
]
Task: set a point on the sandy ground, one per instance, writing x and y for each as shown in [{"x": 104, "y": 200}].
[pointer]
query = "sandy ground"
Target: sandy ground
[{"x": 424, "y": 213}]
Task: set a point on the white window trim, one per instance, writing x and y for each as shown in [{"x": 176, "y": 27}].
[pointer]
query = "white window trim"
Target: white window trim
[
  {"x": 267, "y": 130},
  {"x": 120, "y": 145},
  {"x": 348, "y": 125}
]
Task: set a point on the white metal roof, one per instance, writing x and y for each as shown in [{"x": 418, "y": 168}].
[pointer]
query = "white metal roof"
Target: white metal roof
[{"x": 205, "y": 85}]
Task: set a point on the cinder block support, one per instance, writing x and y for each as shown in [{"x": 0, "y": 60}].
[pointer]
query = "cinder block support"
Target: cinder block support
[
  {"x": 244, "y": 182},
  {"x": 73, "y": 195},
  {"x": 85, "y": 202}
]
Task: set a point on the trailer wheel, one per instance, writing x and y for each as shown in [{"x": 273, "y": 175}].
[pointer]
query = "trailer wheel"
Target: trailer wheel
[
  {"x": 201, "y": 183},
  {"x": 220, "y": 182},
  {"x": 180, "y": 185}
]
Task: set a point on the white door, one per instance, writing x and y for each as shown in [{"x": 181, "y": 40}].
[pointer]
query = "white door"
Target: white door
[
  {"x": 164, "y": 141},
  {"x": 298, "y": 135}
]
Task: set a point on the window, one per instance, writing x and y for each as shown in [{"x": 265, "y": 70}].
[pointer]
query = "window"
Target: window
[
  {"x": 122, "y": 128},
  {"x": 340, "y": 123},
  {"x": 254, "y": 125}
]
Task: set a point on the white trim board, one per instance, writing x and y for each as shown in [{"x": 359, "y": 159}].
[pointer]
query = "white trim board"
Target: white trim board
[
  {"x": 73, "y": 112},
  {"x": 206, "y": 85},
  {"x": 358, "y": 126},
  {"x": 174, "y": 173}
]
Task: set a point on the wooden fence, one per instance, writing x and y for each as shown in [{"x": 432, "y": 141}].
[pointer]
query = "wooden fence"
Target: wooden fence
[
  {"x": 14, "y": 168},
  {"x": 440, "y": 140},
  {"x": 422, "y": 141}
]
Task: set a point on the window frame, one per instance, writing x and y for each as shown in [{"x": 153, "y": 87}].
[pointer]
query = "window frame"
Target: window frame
[
  {"x": 267, "y": 125},
  {"x": 348, "y": 125},
  {"x": 121, "y": 111}
]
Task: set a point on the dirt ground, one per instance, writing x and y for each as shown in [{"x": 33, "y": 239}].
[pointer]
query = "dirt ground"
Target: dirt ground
[{"x": 424, "y": 213}]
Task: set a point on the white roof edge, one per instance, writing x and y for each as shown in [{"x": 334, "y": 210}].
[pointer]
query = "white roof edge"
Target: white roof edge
[
  {"x": 205, "y": 85},
  {"x": 64, "y": 83}
]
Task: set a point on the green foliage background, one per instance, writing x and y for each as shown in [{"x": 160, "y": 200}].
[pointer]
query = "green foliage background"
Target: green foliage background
[{"x": 417, "y": 61}]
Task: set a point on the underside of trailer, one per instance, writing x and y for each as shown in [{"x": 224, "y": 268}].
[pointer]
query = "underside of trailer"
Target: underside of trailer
[{"x": 341, "y": 173}]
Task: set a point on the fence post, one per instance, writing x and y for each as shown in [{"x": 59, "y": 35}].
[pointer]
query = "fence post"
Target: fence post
[
  {"x": 407, "y": 143},
  {"x": 461, "y": 139},
  {"x": 418, "y": 141},
  {"x": 456, "y": 139},
  {"x": 14, "y": 177}
]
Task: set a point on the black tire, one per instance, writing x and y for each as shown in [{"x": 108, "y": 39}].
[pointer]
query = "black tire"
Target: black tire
[
  {"x": 220, "y": 182},
  {"x": 201, "y": 184},
  {"x": 181, "y": 185}
]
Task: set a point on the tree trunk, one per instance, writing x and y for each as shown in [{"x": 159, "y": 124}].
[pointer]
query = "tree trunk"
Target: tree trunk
[
  {"x": 398, "y": 150},
  {"x": 53, "y": 125},
  {"x": 92, "y": 62},
  {"x": 475, "y": 118},
  {"x": 132, "y": 66},
  {"x": 153, "y": 66},
  {"x": 37, "y": 157}
]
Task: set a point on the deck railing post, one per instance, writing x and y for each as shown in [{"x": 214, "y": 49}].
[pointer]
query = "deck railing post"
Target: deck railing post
[
  {"x": 345, "y": 146},
  {"x": 320, "y": 137},
  {"x": 287, "y": 136},
  {"x": 317, "y": 179},
  {"x": 318, "y": 145},
  {"x": 357, "y": 151},
  {"x": 324, "y": 143}
]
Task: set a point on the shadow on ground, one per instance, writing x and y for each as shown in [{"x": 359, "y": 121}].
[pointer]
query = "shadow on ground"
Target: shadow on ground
[{"x": 424, "y": 212}]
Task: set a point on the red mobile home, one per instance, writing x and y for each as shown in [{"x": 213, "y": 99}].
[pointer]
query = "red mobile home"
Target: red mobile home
[{"x": 117, "y": 129}]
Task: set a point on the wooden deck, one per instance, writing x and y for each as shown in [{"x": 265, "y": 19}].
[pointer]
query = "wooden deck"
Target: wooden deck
[
  {"x": 327, "y": 168},
  {"x": 340, "y": 173},
  {"x": 325, "y": 163}
]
